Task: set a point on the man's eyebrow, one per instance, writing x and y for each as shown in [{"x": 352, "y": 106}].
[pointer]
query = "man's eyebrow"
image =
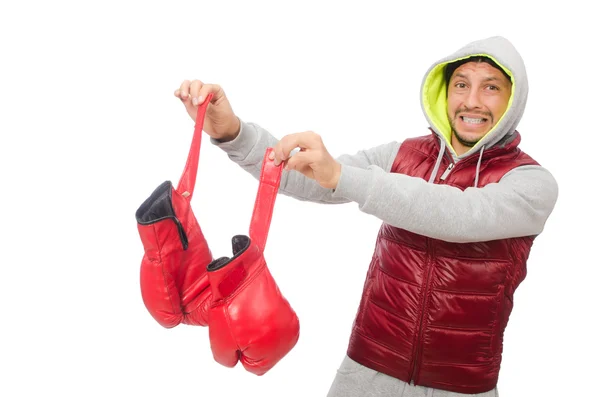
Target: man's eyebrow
[
  {"x": 498, "y": 79},
  {"x": 485, "y": 80}
]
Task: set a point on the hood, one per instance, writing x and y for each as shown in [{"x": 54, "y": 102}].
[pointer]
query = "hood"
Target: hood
[{"x": 433, "y": 92}]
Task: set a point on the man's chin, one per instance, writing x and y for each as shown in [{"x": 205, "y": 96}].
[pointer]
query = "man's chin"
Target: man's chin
[{"x": 468, "y": 138}]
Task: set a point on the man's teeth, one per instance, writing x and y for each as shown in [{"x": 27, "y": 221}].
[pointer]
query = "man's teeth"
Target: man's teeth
[{"x": 472, "y": 121}]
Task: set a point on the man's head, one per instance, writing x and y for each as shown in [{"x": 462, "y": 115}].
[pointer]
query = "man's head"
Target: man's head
[{"x": 478, "y": 95}]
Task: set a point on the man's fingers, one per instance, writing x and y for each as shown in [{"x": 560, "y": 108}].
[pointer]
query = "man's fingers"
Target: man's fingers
[
  {"x": 300, "y": 161},
  {"x": 196, "y": 92},
  {"x": 195, "y": 88},
  {"x": 284, "y": 147},
  {"x": 307, "y": 140},
  {"x": 214, "y": 89},
  {"x": 184, "y": 90}
]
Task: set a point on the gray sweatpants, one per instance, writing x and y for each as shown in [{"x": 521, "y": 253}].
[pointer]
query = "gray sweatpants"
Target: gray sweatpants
[{"x": 356, "y": 380}]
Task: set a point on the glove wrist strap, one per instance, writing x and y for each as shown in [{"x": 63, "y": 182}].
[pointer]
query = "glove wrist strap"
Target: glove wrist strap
[
  {"x": 187, "y": 181},
  {"x": 270, "y": 178}
]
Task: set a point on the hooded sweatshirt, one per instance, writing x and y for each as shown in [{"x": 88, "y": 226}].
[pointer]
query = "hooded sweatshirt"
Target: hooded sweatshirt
[
  {"x": 515, "y": 206},
  {"x": 518, "y": 205}
]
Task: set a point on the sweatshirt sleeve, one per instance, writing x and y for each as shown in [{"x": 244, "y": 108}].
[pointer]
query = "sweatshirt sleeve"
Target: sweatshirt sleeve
[
  {"x": 518, "y": 205},
  {"x": 249, "y": 147}
]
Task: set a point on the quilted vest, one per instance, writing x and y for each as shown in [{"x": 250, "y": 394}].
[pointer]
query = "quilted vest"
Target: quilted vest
[{"x": 433, "y": 313}]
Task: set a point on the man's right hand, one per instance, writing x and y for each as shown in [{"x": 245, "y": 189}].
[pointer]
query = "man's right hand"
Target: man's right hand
[{"x": 220, "y": 122}]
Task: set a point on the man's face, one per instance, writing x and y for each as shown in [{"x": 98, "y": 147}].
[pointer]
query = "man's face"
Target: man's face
[{"x": 478, "y": 95}]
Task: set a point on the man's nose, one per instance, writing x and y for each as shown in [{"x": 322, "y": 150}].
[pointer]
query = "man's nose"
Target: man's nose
[{"x": 473, "y": 100}]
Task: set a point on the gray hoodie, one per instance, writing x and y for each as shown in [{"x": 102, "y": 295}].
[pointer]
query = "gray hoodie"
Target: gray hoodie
[{"x": 518, "y": 205}]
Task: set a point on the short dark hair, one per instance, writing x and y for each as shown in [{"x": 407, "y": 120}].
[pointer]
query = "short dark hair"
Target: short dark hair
[{"x": 451, "y": 67}]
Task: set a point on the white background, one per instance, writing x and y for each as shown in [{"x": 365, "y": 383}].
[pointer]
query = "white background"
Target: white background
[{"x": 89, "y": 127}]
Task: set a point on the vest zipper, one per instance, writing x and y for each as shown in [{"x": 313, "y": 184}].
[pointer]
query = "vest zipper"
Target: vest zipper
[
  {"x": 417, "y": 357},
  {"x": 418, "y": 349},
  {"x": 445, "y": 174}
]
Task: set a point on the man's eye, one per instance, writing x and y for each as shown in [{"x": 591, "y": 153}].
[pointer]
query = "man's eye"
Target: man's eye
[
  {"x": 460, "y": 85},
  {"x": 493, "y": 88}
]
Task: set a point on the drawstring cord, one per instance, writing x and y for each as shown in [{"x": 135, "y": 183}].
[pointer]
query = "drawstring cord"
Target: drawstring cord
[
  {"x": 439, "y": 161},
  {"x": 478, "y": 165}
]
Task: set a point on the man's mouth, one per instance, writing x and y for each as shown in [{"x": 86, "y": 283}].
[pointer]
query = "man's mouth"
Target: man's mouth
[{"x": 471, "y": 120}]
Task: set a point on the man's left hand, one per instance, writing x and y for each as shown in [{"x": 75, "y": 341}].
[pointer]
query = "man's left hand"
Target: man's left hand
[{"x": 313, "y": 160}]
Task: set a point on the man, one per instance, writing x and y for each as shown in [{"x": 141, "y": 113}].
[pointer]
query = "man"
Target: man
[{"x": 460, "y": 207}]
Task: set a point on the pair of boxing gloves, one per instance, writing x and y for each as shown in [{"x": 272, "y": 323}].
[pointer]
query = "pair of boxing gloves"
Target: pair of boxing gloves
[{"x": 248, "y": 318}]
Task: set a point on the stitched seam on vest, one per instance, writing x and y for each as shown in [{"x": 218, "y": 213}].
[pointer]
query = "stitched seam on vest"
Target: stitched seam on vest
[
  {"x": 421, "y": 323},
  {"x": 388, "y": 310},
  {"x": 485, "y": 330},
  {"x": 373, "y": 266},
  {"x": 463, "y": 293},
  {"x": 457, "y": 364},
  {"x": 512, "y": 270},
  {"x": 385, "y": 272},
  {"x": 497, "y": 338},
  {"x": 466, "y": 258},
  {"x": 382, "y": 345},
  {"x": 426, "y": 323},
  {"x": 495, "y": 331},
  {"x": 426, "y": 154},
  {"x": 413, "y": 149},
  {"x": 406, "y": 244}
]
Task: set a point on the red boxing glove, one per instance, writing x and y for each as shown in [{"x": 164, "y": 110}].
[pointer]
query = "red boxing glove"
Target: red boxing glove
[
  {"x": 173, "y": 276},
  {"x": 250, "y": 320}
]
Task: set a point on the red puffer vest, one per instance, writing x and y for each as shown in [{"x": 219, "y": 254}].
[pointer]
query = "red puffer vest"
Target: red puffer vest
[{"x": 434, "y": 312}]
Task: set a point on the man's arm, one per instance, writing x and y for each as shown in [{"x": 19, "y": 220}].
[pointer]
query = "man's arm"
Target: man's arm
[
  {"x": 518, "y": 205},
  {"x": 248, "y": 150}
]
